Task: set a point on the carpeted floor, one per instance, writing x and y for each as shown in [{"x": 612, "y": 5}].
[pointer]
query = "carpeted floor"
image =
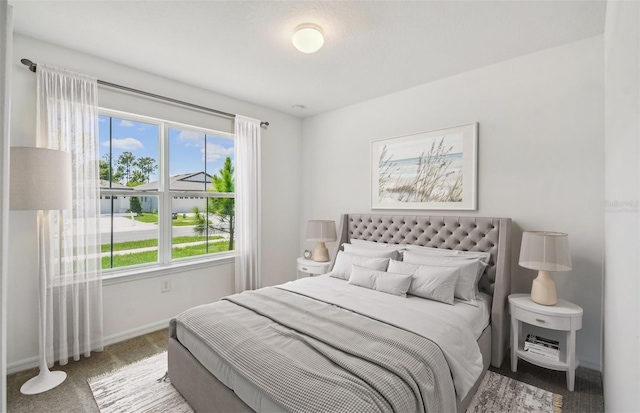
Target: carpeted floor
[{"x": 74, "y": 395}]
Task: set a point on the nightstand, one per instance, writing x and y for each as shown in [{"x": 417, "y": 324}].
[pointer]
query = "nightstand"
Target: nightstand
[
  {"x": 311, "y": 267},
  {"x": 563, "y": 316}
]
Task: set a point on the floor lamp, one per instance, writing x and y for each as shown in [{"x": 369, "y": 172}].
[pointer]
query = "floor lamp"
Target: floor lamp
[{"x": 41, "y": 180}]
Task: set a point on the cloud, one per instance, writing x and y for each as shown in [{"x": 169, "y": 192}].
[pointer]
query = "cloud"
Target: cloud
[
  {"x": 128, "y": 144},
  {"x": 127, "y": 123},
  {"x": 191, "y": 139},
  {"x": 215, "y": 152}
]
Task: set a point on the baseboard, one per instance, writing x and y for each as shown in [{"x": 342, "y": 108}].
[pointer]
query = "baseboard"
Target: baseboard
[
  {"x": 590, "y": 364},
  {"x": 34, "y": 361}
]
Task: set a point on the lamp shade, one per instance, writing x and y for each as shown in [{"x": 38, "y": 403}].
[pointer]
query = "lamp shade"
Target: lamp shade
[
  {"x": 545, "y": 251},
  {"x": 40, "y": 179},
  {"x": 321, "y": 231}
]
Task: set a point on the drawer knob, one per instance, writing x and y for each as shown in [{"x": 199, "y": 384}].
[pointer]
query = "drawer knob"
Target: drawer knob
[
  {"x": 540, "y": 320},
  {"x": 304, "y": 268}
]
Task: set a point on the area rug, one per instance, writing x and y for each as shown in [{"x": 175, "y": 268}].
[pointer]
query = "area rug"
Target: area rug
[
  {"x": 498, "y": 393},
  {"x": 138, "y": 387}
]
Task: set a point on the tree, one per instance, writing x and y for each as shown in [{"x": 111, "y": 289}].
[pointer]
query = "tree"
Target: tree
[
  {"x": 135, "y": 205},
  {"x": 106, "y": 173},
  {"x": 224, "y": 208},
  {"x": 137, "y": 178},
  {"x": 147, "y": 166},
  {"x": 126, "y": 163}
]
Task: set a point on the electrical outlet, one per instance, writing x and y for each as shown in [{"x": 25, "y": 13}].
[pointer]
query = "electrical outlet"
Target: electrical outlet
[{"x": 166, "y": 286}]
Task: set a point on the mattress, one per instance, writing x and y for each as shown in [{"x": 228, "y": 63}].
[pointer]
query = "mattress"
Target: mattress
[{"x": 469, "y": 318}]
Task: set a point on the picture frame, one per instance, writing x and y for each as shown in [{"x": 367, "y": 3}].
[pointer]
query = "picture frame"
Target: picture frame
[{"x": 428, "y": 170}]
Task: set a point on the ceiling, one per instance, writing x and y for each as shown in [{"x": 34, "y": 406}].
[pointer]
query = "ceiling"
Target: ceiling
[{"x": 243, "y": 48}]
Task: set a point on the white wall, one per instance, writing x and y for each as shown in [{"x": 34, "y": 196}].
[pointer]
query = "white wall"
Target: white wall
[
  {"x": 622, "y": 146},
  {"x": 541, "y": 159},
  {"x": 136, "y": 306}
]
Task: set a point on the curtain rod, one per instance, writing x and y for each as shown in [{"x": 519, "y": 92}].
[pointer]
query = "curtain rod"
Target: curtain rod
[{"x": 33, "y": 67}]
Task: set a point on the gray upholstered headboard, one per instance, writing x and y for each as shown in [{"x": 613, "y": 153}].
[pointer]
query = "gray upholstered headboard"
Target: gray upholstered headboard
[{"x": 492, "y": 235}]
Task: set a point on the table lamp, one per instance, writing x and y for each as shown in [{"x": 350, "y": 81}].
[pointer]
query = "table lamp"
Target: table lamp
[
  {"x": 40, "y": 180},
  {"x": 545, "y": 251},
  {"x": 321, "y": 231}
]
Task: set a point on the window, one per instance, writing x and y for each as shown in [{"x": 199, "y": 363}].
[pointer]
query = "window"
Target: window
[{"x": 167, "y": 191}]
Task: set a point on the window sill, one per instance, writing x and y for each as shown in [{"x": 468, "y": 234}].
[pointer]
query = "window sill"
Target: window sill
[{"x": 141, "y": 273}]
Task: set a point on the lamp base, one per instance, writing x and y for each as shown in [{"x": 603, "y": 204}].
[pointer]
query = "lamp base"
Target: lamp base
[
  {"x": 44, "y": 381},
  {"x": 543, "y": 289},
  {"x": 321, "y": 253}
]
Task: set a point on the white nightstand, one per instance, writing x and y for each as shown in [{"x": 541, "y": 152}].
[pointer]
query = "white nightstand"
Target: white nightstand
[
  {"x": 563, "y": 316},
  {"x": 311, "y": 267}
]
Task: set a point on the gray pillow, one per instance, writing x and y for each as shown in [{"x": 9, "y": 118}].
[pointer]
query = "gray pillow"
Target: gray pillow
[
  {"x": 396, "y": 284},
  {"x": 470, "y": 272},
  {"x": 371, "y": 252},
  {"x": 432, "y": 282},
  {"x": 344, "y": 261}
]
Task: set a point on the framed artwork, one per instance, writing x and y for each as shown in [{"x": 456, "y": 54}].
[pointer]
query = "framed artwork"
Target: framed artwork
[{"x": 428, "y": 170}]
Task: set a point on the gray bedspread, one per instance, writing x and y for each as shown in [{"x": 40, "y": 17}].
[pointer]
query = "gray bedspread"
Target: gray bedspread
[{"x": 310, "y": 356}]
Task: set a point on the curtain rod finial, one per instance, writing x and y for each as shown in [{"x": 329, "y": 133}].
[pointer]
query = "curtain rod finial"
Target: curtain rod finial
[
  {"x": 264, "y": 125},
  {"x": 32, "y": 66}
]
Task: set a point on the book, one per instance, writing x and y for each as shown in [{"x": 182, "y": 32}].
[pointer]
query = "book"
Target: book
[
  {"x": 544, "y": 354},
  {"x": 542, "y": 340},
  {"x": 542, "y": 346}
]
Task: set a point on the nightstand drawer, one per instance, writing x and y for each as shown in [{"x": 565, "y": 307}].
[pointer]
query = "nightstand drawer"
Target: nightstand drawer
[
  {"x": 312, "y": 269},
  {"x": 543, "y": 320}
]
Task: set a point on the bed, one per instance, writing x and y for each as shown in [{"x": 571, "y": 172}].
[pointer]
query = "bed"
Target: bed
[{"x": 314, "y": 330}]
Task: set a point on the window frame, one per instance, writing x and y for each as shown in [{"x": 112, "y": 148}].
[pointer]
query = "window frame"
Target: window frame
[{"x": 165, "y": 263}]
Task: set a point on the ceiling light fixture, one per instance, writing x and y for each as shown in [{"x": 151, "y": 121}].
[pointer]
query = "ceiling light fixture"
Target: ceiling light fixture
[{"x": 308, "y": 38}]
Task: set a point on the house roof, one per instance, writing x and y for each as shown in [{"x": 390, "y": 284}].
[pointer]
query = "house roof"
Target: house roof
[
  {"x": 193, "y": 181},
  {"x": 114, "y": 185}
]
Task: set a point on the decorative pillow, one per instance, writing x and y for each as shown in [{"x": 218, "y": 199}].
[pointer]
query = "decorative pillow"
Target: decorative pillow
[
  {"x": 432, "y": 282},
  {"x": 342, "y": 266},
  {"x": 470, "y": 272},
  {"x": 442, "y": 252},
  {"x": 396, "y": 284},
  {"x": 371, "y": 252}
]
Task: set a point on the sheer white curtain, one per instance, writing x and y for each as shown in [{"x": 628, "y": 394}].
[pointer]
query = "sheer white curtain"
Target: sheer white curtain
[
  {"x": 247, "y": 203},
  {"x": 67, "y": 120}
]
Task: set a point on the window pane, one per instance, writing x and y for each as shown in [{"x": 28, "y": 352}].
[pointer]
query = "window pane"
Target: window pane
[
  {"x": 128, "y": 238},
  {"x": 201, "y": 226},
  {"x": 194, "y": 158},
  {"x": 128, "y": 153}
]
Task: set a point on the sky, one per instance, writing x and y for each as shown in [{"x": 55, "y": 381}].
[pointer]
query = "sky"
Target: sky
[{"x": 189, "y": 151}]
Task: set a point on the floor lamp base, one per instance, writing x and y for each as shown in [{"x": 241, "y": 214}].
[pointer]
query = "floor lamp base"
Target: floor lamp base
[{"x": 44, "y": 381}]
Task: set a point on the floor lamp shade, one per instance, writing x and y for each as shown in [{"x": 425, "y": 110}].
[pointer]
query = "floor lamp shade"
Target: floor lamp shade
[
  {"x": 545, "y": 252},
  {"x": 40, "y": 179},
  {"x": 321, "y": 231}
]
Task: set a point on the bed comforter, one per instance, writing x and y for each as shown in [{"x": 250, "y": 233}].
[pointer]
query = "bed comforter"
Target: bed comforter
[{"x": 310, "y": 355}]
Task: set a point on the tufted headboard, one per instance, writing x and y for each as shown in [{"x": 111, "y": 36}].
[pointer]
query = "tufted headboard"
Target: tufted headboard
[{"x": 492, "y": 235}]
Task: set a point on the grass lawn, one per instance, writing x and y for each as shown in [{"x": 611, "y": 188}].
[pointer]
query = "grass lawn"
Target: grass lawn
[
  {"x": 179, "y": 222},
  {"x": 131, "y": 245},
  {"x": 152, "y": 256}
]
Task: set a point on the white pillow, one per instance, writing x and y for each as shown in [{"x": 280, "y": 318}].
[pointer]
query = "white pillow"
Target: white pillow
[
  {"x": 344, "y": 261},
  {"x": 396, "y": 284},
  {"x": 470, "y": 272},
  {"x": 371, "y": 252},
  {"x": 432, "y": 282},
  {"x": 377, "y": 245},
  {"x": 482, "y": 256}
]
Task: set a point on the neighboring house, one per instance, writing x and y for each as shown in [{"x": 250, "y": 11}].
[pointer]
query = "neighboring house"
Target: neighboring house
[
  {"x": 120, "y": 203},
  {"x": 193, "y": 181}
]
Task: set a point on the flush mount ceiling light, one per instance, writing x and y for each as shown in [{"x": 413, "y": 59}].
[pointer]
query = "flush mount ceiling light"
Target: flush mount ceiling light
[{"x": 308, "y": 38}]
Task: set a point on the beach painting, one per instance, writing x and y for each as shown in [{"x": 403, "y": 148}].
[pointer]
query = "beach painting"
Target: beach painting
[{"x": 428, "y": 170}]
